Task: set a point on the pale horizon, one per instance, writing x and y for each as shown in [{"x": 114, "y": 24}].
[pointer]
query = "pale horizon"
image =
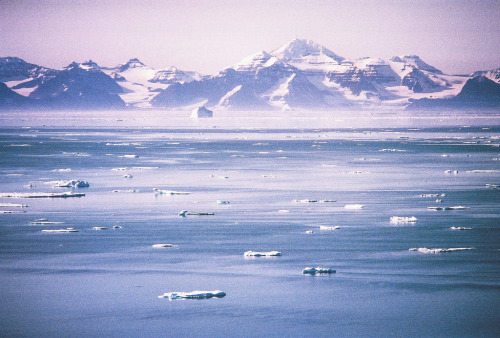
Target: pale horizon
[{"x": 457, "y": 37}]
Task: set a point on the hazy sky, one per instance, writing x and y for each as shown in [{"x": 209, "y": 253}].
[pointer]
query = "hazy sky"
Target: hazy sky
[{"x": 454, "y": 36}]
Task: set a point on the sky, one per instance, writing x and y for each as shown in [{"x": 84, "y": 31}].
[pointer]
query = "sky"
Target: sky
[{"x": 455, "y": 36}]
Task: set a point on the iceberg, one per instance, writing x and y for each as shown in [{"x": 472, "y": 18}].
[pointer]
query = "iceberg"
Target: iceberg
[
  {"x": 460, "y": 228},
  {"x": 201, "y": 112},
  {"x": 44, "y": 222},
  {"x": 403, "y": 219},
  {"x": 223, "y": 202},
  {"x": 170, "y": 192},
  {"x": 260, "y": 254},
  {"x": 12, "y": 211},
  {"x": 354, "y": 206},
  {"x": 71, "y": 184},
  {"x": 100, "y": 228},
  {"x": 117, "y": 227},
  {"x": 324, "y": 227},
  {"x": 129, "y": 156},
  {"x": 313, "y": 271},
  {"x": 184, "y": 213},
  {"x": 163, "y": 245},
  {"x": 448, "y": 208},
  {"x": 42, "y": 195},
  {"x": 61, "y": 230},
  {"x": 432, "y": 195},
  {"x": 194, "y": 295},
  {"x": 438, "y": 250},
  {"x": 13, "y": 205}
]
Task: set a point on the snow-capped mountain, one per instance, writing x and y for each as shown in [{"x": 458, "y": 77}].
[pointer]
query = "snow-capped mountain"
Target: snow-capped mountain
[{"x": 298, "y": 75}]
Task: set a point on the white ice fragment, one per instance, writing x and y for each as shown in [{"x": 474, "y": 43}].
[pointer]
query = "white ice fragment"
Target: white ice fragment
[
  {"x": 119, "y": 169},
  {"x": 261, "y": 253},
  {"x": 130, "y": 156},
  {"x": 483, "y": 171},
  {"x": 313, "y": 271},
  {"x": 127, "y": 176},
  {"x": 460, "y": 228},
  {"x": 13, "y": 205},
  {"x": 170, "y": 192},
  {"x": 71, "y": 184},
  {"x": 324, "y": 227},
  {"x": 62, "y": 170},
  {"x": 448, "y": 208},
  {"x": 449, "y": 172},
  {"x": 201, "y": 112},
  {"x": 42, "y": 195},
  {"x": 12, "y": 211},
  {"x": 163, "y": 245},
  {"x": 193, "y": 295},
  {"x": 403, "y": 219},
  {"x": 432, "y": 195},
  {"x": 309, "y": 232},
  {"x": 61, "y": 230},
  {"x": 439, "y": 250},
  {"x": 117, "y": 227},
  {"x": 284, "y": 211},
  {"x": 100, "y": 228},
  {"x": 222, "y": 202},
  {"x": 44, "y": 222},
  {"x": 354, "y": 206},
  {"x": 184, "y": 213}
]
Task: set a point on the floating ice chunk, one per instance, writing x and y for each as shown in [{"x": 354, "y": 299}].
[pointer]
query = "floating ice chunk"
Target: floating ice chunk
[
  {"x": 129, "y": 156},
  {"x": 261, "y": 253},
  {"x": 483, "y": 171},
  {"x": 449, "y": 172},
  {"x": 448, "y": 208},
  {"x": 170, "y": 192},
  {"x": 354, "y": 206},
  {"x": 309, "y": 232},
  {"x": 268, "y": 176},
  {"x": 12, "y": 211},
  {"x": 119, "y": 169},
  {"x": 117, "y": 227},
  {"x": 313, "y": 271},
  {"x": 223, "y": 202},
  {"x": 42, "y": 195},
  {"x": 305, "y": 201},
  {"x": 130, "y": 190},
  {"x": 201, "y": 112},
  {"x": 100, "y": 228},
  {"x": 62, "y": 170},
  {"x": 163, "y": 245},
  {"x": 61, "y": 230},
  {"x": 493, "y": 186},
  {"x": 194, "y": 295},
  {"x": 71, "y": 184},
  {"x": 433, "y": 195},
  {"x": 219, "y": 176},
  {"x": 13, "y": 205},
  {"x": 324, "y": 227},
  {"x": 439, "y": 200},
  {"x": 439, "y": 250},
  {"x": 127, "y": 176},
  {"x": 44, "y": 221},
  {"x": 460, "y": 228},
  {"x": 392, "y": 150},
  {"x": 284, "y": 211},
  {"x": 184, "y": 213},
  {"x": 403, "y": 219}
]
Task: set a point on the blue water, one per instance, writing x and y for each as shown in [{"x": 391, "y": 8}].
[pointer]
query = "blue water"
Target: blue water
[{"x": 107, "y": 283}]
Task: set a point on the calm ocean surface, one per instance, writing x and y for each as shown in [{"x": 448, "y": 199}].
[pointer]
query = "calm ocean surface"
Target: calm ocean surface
[{"x": 106, "y": 283}]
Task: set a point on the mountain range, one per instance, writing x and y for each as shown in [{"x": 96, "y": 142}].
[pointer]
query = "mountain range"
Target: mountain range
[{"x": 300, "y": 75}]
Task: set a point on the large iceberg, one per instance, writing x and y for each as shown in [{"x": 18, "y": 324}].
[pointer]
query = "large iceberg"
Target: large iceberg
[
  {"x": 193, "y": 294},
  {"x": 261, "y": 253},
  {"x": 201, "y": 112},
  {"x": 71, "y": 184},
  {"x": 325, "y": 227},
  {"x": 354, "y": 206}
]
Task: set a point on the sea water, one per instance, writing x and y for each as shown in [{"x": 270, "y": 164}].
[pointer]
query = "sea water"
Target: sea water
[{"x": 283, "y": 176}]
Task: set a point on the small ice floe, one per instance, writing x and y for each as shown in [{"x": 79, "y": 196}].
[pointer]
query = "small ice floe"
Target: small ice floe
[
  {"x": 268, "y": 176},
  {"x": 184, "y": 213},
  {"x": 44, "y": 221},
  {"x": 223, "y": 202},
  {"x": 318, "y": 270},
  {"x": 163, "y": 245},
  {"x": 117, "y": 227},
  {"x": 459, "y": 207},
  {"x": 100, "y": 228},
  {"x": 449, "y": 172},
  {"x": 62, "y": 170},
  {"x": 439, "y": 200},
  {"x": 439, "y": 250},
  {"x": 127, "y": 176},
  {"x": 119, "y": 169},
  {"x": 130, "y": 190},
  {"x": 354, "y": 206},
  {"x": 284, "y": 211},
  {"x": 483, "y": 171},
  {"x": 445, "y": 155},
  {"x": 194, "y": 295},
  {"x": 61, "y": 230},
  {"x": 170, "y": 192},
  {"x": 403, "y": 219},
  {"x": 433, "y": 195},
  {"x": 222, "y": 177},
  {"x": 12, "y": 211},
  {"x": 309, "y": 232},
  {"x": 325, "y": 227},
  {"x": 460, "y": 228},
  {"x": 261, "y": 253},
  {"x": 42, "y": 195},
  {"x": 493, "y": 186},
  {"x": 392, "y": 150},
  {"x": 129, "y": 156},
  {"x": 314, "y": 201},
  {"x": 70, "y": 184},
  {"x": 13, "y": 205}
]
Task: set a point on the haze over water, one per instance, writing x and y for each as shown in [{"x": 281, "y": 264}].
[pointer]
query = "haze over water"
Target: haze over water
[{"x": 284, "y": 175}]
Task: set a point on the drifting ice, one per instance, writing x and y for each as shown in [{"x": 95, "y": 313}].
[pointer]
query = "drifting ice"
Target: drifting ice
[
  {"x": 460, "y": 228},
  {"x": 99, "y": 228},
  {"x": 313, "y": 271},
  {"x": 62, "y": 230},
  {"x": 14, "y": 205},
  {"x": 201, "y": 112},
  {"x": 162, "y": 245},
  {"x": 439, "y": 250},
  {"x": 354, "y": 206},
  {"x": 324, "y": 227},
  {"x": 71, "y": 184},
  {"x": 448, "y": 208},
  {"x": 170, "y": 192},
  {"x": 193, "y": 294},
  {"x": 185, "y": 213},
  {"x": 42, "y": 195},
  {"x": 402, "y": 219},
  {"x": 259, "y": 254}
]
